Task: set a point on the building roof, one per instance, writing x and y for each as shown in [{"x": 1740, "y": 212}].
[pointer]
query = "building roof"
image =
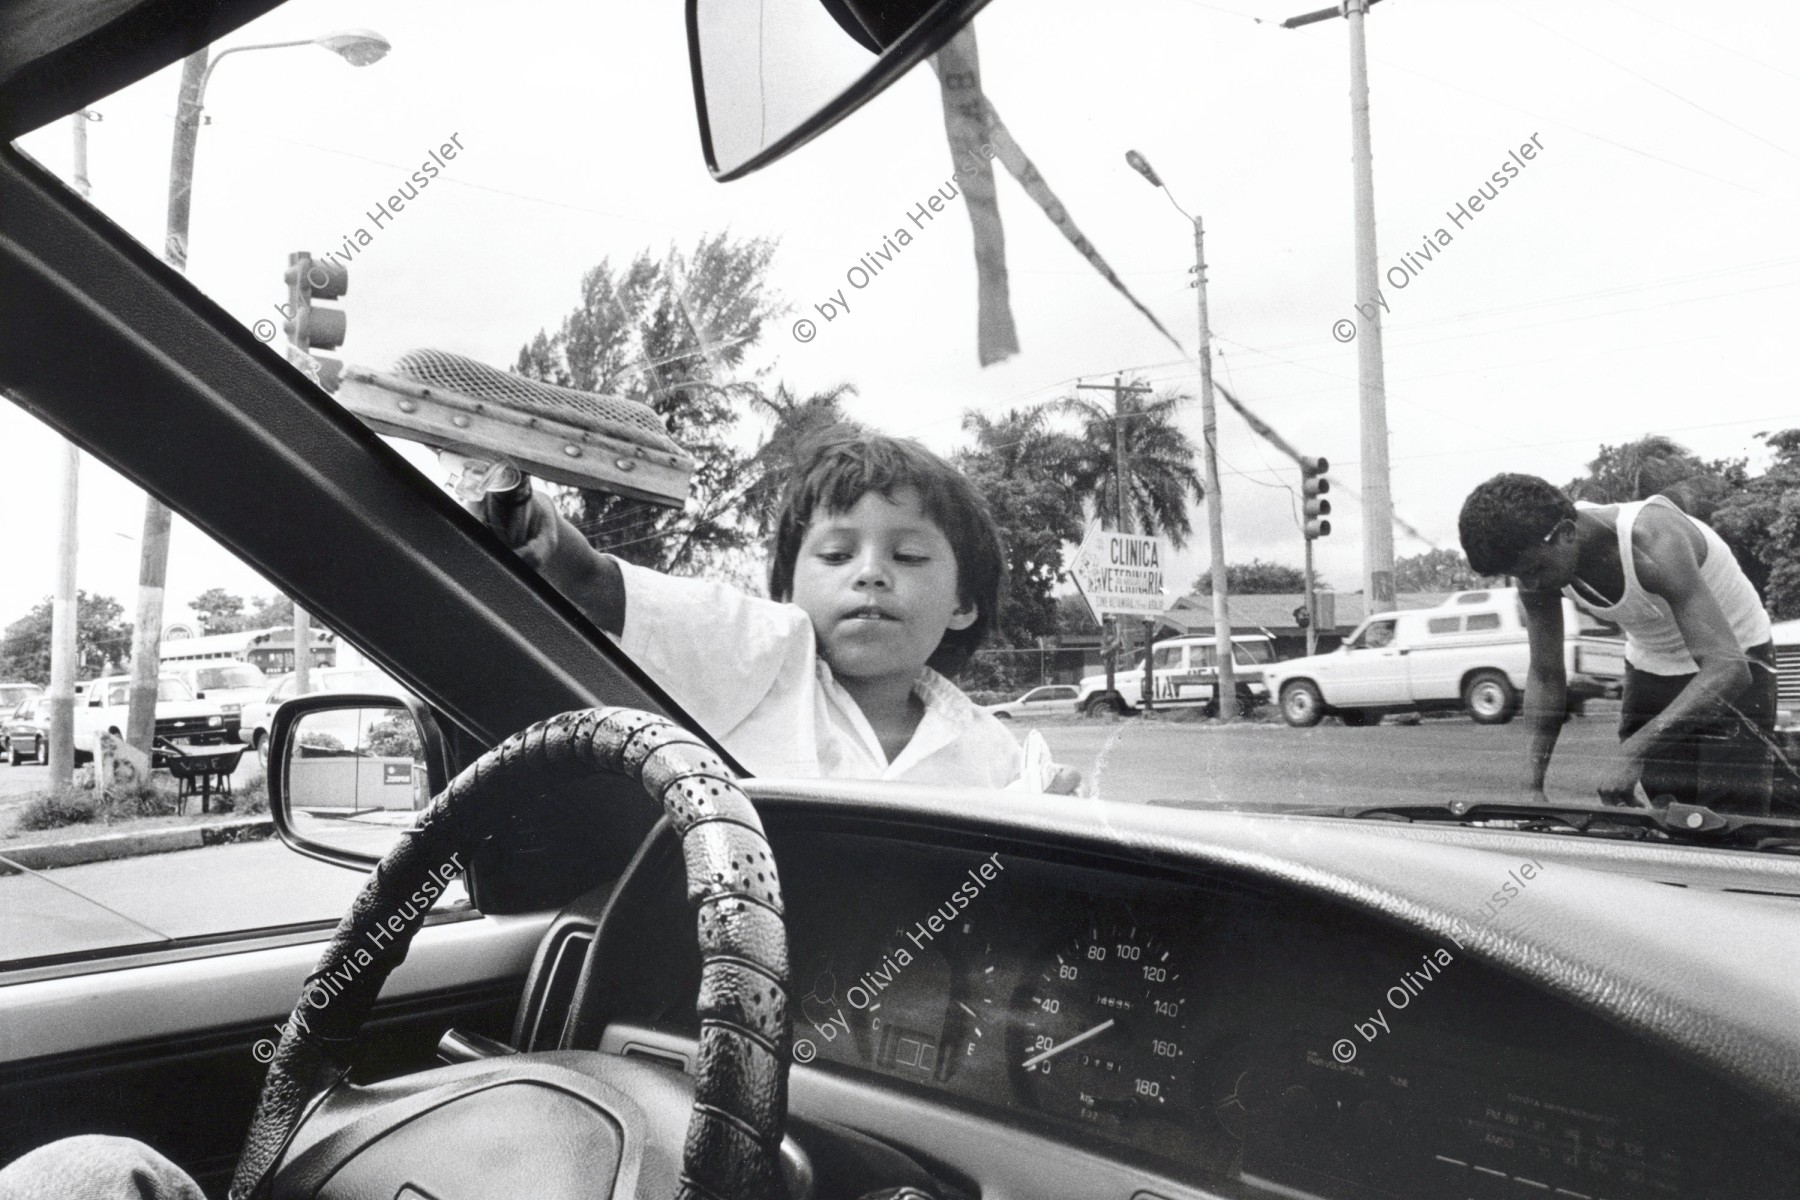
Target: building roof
[{"x": 1340, "y": 612}]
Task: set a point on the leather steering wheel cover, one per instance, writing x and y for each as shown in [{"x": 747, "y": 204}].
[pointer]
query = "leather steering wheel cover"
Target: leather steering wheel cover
[{"x": 740, "y": 1094}]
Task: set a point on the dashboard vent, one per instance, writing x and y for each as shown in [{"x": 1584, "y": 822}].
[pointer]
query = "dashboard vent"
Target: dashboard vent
[{"x": 544, "y": 1023}]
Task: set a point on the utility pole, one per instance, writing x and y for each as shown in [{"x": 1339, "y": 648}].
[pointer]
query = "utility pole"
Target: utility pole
[
  {"x": 1122, "y": 515},
  {"x": 153, "y": 563},
  {"x": 1377, "y": 498},
  {"x": 65, "y": 615}
]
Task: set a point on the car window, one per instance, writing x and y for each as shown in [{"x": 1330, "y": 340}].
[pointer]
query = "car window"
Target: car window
[
  {"x": 171, "y": 688},
  {"x": 1444, "y": 625},
  {"x": 123, "y": 894},
  {"x": 1025, "y": 317},
  {"x": 236, "y": 676},
  {"x": 1253, "y": 653},
  {"x": 1377, "y": 635},
  {"x": 1481, "y": 621},
  {"x": 1167, "y": 658}
]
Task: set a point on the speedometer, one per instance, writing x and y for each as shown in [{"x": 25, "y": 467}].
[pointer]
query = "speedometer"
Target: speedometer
[{"x": 1099, "y": 1025}]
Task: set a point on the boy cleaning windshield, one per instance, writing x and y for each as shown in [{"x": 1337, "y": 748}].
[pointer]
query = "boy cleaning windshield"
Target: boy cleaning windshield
[{"x": 885, "y": 572}]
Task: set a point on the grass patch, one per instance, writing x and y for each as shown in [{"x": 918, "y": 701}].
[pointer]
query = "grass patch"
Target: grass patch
[
  {"x": 61, "y": 807},
  {"x": 55, "y": 809},
  {"x": 251, "y": 797}
]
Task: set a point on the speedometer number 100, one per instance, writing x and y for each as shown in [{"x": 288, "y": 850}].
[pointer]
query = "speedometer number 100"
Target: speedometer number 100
[{"x": 1102, "y": 1024}]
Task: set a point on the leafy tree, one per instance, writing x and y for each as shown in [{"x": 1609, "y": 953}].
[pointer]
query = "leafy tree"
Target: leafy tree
[
  {"x": 1073, "y": 615},
  {"x": 1258, "y": 578},
  {"x": 1160, "y": 461},
  {"x": 271, "y": 612},
  {"x": 665, "y": 332},
  {"x": 226, "y": 613},
  {"x": 395, "y": 736},
  {"x": 219, "y": 610},
  {"x": 1022, "y": 468},
  {"x": 1440, "y": 571},
  {"x": 1656, "y": 465},
  {"x": 1635, "y": 471},
  {"x": 1764, "y": 519},
  {"x": 101, "y": 634}
]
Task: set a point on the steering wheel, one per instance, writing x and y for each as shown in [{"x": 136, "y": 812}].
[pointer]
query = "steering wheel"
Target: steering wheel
[{"x": 552, "y": 1124}]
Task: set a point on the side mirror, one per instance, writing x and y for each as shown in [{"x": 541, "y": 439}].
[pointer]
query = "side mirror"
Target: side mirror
[
  {"x": 770, "y": 77},
  {"x": 348, "y": 773}
]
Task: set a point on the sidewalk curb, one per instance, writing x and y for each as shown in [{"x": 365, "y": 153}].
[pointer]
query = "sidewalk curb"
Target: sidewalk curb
[{"x": 107, "y": 847}]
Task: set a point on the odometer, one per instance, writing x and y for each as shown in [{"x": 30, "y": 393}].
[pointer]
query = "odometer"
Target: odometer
[{"x": 1099, "y": 1024}]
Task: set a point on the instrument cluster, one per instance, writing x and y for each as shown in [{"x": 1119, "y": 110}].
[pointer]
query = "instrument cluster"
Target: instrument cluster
[{"x": 1081, "y": 998}]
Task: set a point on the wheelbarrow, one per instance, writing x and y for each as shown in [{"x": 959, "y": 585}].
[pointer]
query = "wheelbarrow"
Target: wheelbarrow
[{"x": 201, "y": 771}]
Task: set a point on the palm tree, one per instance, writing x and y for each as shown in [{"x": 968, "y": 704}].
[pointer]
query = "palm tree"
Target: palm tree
[
  {"x": 797, "y": 422},
  {"x": 1160, "y": 473}
]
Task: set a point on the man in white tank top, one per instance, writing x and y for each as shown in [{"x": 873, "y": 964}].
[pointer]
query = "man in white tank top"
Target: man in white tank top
[{"x": 1698, "y": 712}]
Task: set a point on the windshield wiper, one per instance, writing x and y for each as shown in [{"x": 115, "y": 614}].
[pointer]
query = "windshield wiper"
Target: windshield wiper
[{"x": 1690, "y": 824}]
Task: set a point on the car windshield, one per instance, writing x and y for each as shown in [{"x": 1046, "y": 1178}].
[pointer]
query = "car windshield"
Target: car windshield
[
  {"x": 239, "y": 675},
  {"x": 1571, "y": 265},
  {"x": 171, "y": 688}
]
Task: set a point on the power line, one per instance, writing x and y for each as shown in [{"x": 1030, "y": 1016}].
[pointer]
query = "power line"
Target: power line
[{"x": 1638, "y": 75}]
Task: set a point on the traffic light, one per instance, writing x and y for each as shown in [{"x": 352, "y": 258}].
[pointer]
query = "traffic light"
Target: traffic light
[
  {"x": 309, "y": 327},
  {"x": 1313, "y": 486}
]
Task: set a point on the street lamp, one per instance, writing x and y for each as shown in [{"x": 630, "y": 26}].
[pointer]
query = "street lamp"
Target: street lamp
[
  {"x": 1225, "y": 692},
  {"x": 359, "y": 48}
]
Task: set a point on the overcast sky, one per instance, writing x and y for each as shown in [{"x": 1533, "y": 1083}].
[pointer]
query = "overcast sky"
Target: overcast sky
[{"x": 1639, "y": 275}]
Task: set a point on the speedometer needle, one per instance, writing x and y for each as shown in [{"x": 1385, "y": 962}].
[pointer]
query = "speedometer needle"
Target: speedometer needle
[{"x": 1079, "y": 1038}]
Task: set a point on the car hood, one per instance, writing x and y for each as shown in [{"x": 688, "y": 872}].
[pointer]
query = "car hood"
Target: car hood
[{"x": 171, "y": 710}]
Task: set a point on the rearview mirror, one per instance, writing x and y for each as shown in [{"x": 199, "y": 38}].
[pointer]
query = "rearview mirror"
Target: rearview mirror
[
  {"x": 769, "y": 77},
  {"x": 348, "y": 773}
]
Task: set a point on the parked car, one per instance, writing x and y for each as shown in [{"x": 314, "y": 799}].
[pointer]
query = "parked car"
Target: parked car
[
  {"x": 230, "y": 685},
  {"x": 181, "y": 718},
  {"x": 258, "y": 717},
  {"x": 1186, "y": 674},
  {"x": 13, "y": 694},
  {"x": 1053, "y": 698},
  {"x": 1469, "y": 652},
  {"x": 26, "y": 732}
]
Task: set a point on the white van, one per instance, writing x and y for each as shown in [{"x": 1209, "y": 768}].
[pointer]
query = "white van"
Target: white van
[
  {"x": 1469, "y": 652},
  {"x": 1186, "y": 671}
]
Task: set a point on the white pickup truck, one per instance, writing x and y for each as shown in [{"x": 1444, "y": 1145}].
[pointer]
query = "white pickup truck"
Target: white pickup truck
[
  {"x": 1469, "y": 652},
  {"x": 180, "y": 718},
  {"x": 1186, "y": 671}
]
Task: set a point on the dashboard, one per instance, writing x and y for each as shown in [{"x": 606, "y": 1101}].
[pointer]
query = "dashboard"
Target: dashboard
[{"x": 1212, "y": 1028}]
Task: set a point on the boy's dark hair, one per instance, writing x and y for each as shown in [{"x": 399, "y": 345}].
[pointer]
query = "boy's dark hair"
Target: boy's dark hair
[
  {"x": 1507, "y": 515},
  {"x": 839, "y": 466}
]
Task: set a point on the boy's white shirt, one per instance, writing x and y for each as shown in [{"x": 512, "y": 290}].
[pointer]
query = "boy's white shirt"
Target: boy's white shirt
[{"x": 748, "y": 670}]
